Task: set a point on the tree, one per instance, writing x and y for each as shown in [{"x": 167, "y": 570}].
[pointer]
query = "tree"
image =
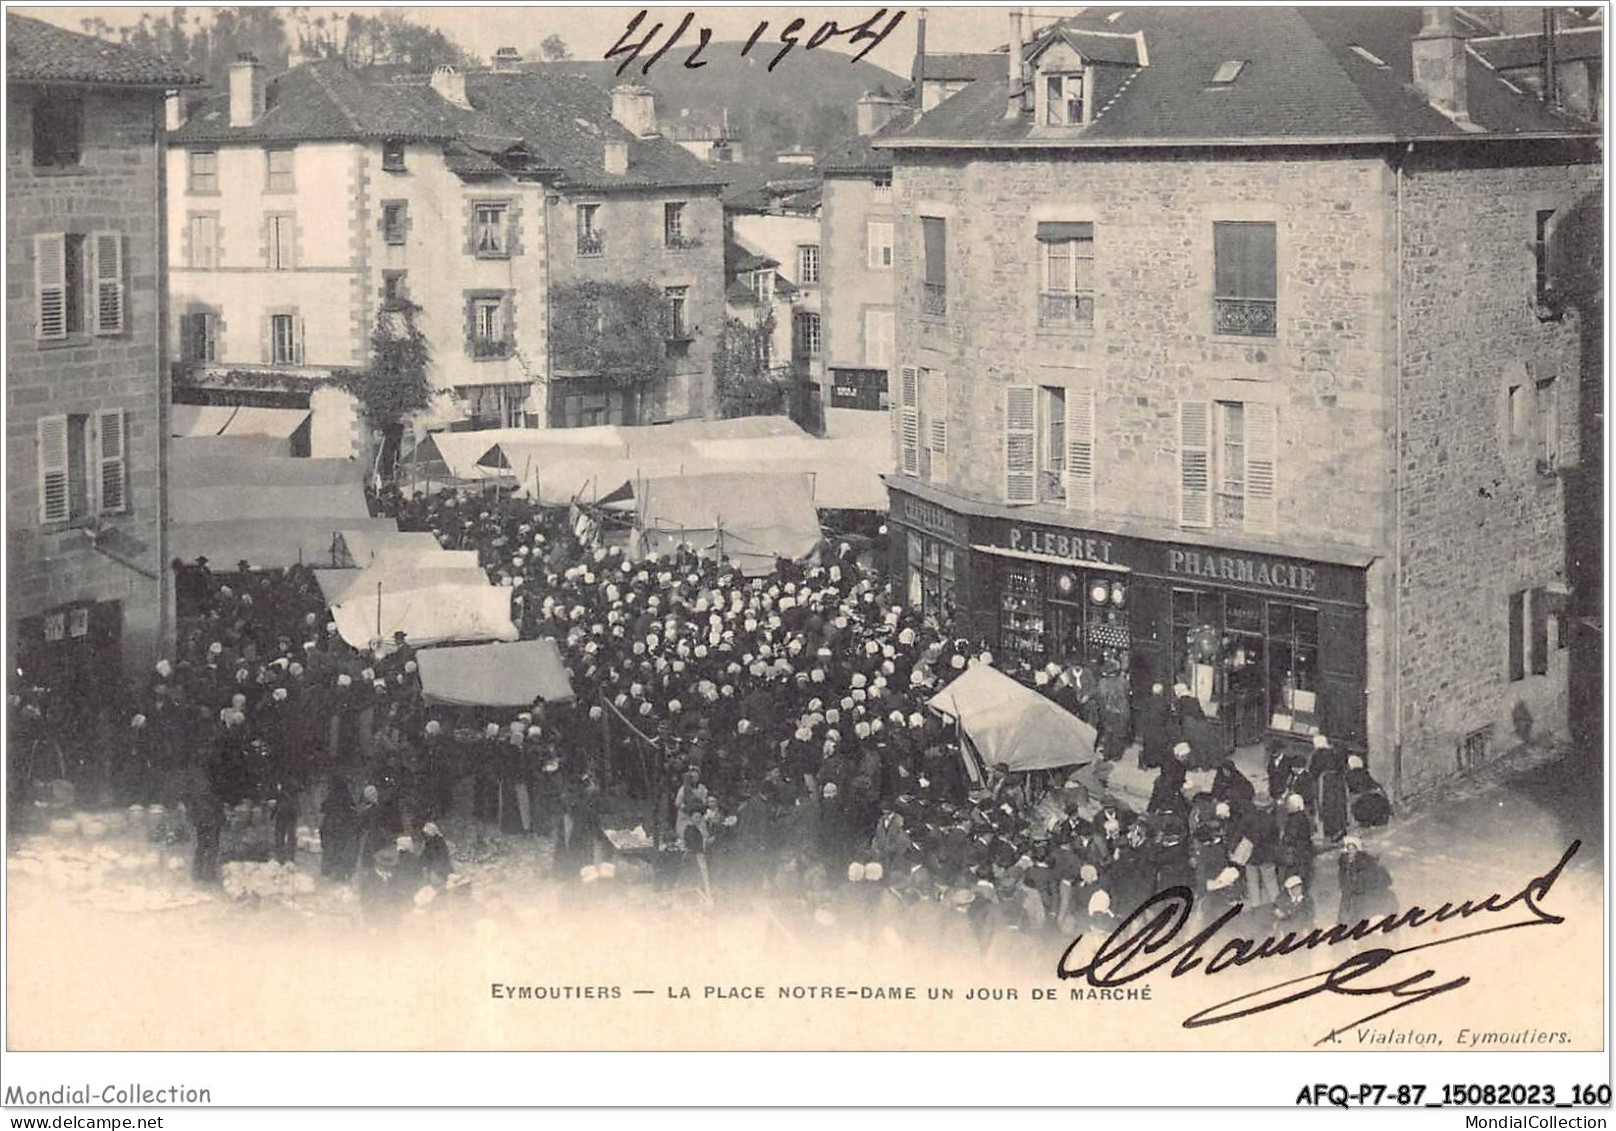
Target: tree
[
  {"x": 554, "y": 49},
  {"x": 743, "y": 382},
  {"x": 613, "y": 330},
  {"x": 396, "y": 383}
]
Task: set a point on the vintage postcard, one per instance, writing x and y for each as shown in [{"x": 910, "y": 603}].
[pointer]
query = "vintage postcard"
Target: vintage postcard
[{"x": 824, "y": 529}]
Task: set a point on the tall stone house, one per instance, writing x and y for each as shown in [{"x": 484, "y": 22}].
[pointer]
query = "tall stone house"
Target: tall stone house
[
  {"x": 88, "y": 590},
  {"x": 315, "y": 201},
  {"x": 1229, "y": 348}
]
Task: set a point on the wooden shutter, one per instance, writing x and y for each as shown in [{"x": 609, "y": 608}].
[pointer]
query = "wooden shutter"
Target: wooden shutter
[
  {"x": 297, "y": 339},
  {"x": 1538, "y": 658},
  {"x": 937, "y": 424},
  {"x": 1262, "y": 447},
  {"x": 108, "y": 274},
  {"x": 1080, "y": 449},
  {"x": 54, "y": 499},
  {"x": 50, "y": 290},
  {"x": 111, "y": 460},
  {"x": 1194, "y": 464},
  {"x": 909, "y": 421},
  {"x": 934, "y": 238},
  {"x": 1517, "y": 618},
  {"x": 1020, "y": 444}
]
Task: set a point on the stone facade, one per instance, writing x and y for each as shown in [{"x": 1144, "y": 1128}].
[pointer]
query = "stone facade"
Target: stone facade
[
  {"x": 851, "y": 287},
  {"x": 117, "y": 187},
  {"x": 633, "y": 249}
]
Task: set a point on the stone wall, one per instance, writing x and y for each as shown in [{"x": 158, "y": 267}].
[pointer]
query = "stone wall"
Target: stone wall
[{"x": 117, "y": 187}]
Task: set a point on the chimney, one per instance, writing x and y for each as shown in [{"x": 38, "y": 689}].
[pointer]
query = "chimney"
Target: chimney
[
  {"x": 451, "y": 86},
  {"x": 919, "y": 70},
  {"x": 246, "y": 90},
  {"x": 634, "y": 107},
  {"x": 173, "y": 111},
  {"x": 1012, "y": 109},
  {"x": 1439, "y": 65},
  {"x": 874, "y": 112},
  {"x": 507, "y": 60},
  {"x": 617, "y": 158}
]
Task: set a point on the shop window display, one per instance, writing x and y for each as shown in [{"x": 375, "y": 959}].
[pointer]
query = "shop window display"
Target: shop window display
[
  {"x": 932, "y": 578},
  {"x": 1067, "y": 615}
]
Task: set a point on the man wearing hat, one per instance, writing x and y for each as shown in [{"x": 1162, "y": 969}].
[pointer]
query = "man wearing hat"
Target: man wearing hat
[{"x": 1329, "y": 770}]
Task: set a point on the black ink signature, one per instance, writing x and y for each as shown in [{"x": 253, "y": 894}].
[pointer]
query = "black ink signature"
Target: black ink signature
[
  {"x": 865, "y": 32},
  {"x": 1130, "y": 951}
]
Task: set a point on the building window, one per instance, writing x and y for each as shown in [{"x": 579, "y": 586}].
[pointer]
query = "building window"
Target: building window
[
  {"x": 395, "y": 221},
  {"x": 934, "y": 237},
  {"x": 203, "y": 166},
  {"x": 1051, "y": 444},
  {"x": 1293, "y": 665},
  {"x": 278, "y": 166},
  {"x": 199, "y": 337},
  {"x": 808, "y": 263},
  {"x": 58, "y": 128},
  {"x": 285, "y": 340},
  {"x": 1543, "y": 232},
  {"x": 1063, "y": 99},
  {"x": 677, "y": 300},
  {"x": 1515, "y": 405},
  {"x": 880, "y": 328},
  {"x": 1066, "y": 296},
  {"x": 395, "y": 290},
  {"x": 878, "y": 240},
  {"x": 82, "y": 466},
  {"x": 489, "y": 236},
  {"x": 393, "y": 155},
  {"x": 579, "y": 402},
  {"x": 1229, "y": 462},
  {"x": 1517, "y": 636},
  {"x": 281, "y": 240},
  {"x": 1548, "y": 427},
  {"x": 591, "y": 240},
  {"x": 59, "y": 280},
  {"x": 1246, "y": 279},
  {"x": 489, "y": 329},
  {"x": 203, "y": 252},
  {"x": 763, "y": 285},
  {"x": 883, "y": 188},
  {"x": 673, "y": 226},
  {"x": 932, "y": 578},
  {"x": 808, "y": 334}
]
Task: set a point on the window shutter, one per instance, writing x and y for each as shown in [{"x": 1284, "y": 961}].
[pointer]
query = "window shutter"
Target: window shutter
[
  {"x": 108, "y": 283},
  {"x": 1020, "y": 444},
  {"x": 934, "y": 237},
  {"x": 1262, "y": 448},
  {"x": 1538, "y": 659},
  {"x": 1080, "y": 449},
  {"x": 50, "y": 289},
  {"x": 1194, "y": 464},
  {"x": 53, "y": 479},
  {"x": 1517, "y": 618},
  {"x": 297, "y": 339},
  {"x": 937, "y": 424},
  {"x": 112, "y": 461},
  {"x": 909, "y": 422}
]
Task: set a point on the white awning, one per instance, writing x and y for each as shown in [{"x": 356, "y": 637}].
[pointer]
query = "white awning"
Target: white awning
[{"x": 235, "y": 420}]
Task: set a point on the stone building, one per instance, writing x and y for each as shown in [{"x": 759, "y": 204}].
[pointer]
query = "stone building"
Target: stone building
[
  {"x": 88, "y": 587},
  {"x": 1228, "y": 349}
]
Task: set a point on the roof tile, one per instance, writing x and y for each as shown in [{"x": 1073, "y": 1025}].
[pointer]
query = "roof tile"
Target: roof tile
[{"x": 40, "y": 52}]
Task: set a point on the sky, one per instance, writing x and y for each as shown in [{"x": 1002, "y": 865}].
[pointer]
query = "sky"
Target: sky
[{"x": 592, "y": 30}]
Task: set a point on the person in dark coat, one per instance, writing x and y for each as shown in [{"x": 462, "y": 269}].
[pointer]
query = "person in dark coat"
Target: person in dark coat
[
  {"x": 1231, "y": 786},
  {"x": 1287, "y": 771},
  {"x": 206, "y": 810},
  {"x": 1115, "y": 711},
  {"x": 1204, "y": 736},
  {"x": 1370, "y": 808},
  {"x": 1168, "y": 790},
  {"x": 1157, "y": 729},
  {"x": 1329, "y": 772},
  {"x": 283, "y": 799},
  {"x": 1255, "y": 843},
  {"x": 1294, "y": 910},
  {"x": 1366, "y": 886},
  {"x": 1294, "y": 854},
  {"x": 339, "y": 830},
  {"x": 436, "y": 864}
]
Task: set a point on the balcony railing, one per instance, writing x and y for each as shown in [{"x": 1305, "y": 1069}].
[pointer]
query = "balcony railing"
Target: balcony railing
[
  {"x": 1065, "y": 309},
  {"x": 677, "y": 241},
  {"x": 934, "y": 300},
  {"x": 1245, "y": 317},
  {"x": 591, "y": 243},
  {"x": 484, "y": 349}
]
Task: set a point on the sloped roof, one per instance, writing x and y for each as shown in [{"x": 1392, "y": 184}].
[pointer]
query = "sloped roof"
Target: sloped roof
[
  {"x": 1302, "y": 81},
  {"x": 758, "y": 187},
  {"x": 739, "y": 259},
  {"x": 963, "y": 66},
  {"x": 40, "y": 52},
  {"x": 1512, "y": 52},
  {"x": 860, "y": 155},
  {"x": 1095, "y": 46}
]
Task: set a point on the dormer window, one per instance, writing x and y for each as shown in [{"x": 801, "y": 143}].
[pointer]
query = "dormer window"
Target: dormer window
[{"x": 1064, "y": 104}]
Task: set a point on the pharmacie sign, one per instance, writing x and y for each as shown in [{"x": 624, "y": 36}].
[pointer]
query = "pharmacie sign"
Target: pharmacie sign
[{"x": 1236, "y": 569}]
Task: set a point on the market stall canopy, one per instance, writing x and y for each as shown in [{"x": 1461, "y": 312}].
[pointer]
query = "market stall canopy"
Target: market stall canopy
[
  {"x": 264, "y": 543},
  {"x": 214, "y": 504},
  {"x": 362, "y": 548},
  {"x": 750, "y": 518},
  {"x": 188, "y": 420},
  {"x": 200, "y": 462},
  {"x": 494, "y": 675},
  {"x": 432, "y": 614},
  {"x": 1013, "y": 725},
  {"x": 339, "y": 585}
]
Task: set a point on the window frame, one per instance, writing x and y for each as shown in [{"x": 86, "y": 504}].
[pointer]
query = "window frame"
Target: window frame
[
  {"x": 289, "y": 173},
  {"x": 808, "y": 262},
  {"x": 1064, "y": 78},
  {"x": 393, "y": 155},
  {"x": 197, "y": 181},
  {"x": 483, "y": 348},
  {"x": 886, "y": 247},
  {"x": 1228, "y": 486},
  {"x": 888, "y": 340},
  {"x": 1228, "y": 309},
  {"x": 193, "y": 245},
  {"x": 280, "y": 254},
  {"x": 61, "y": 105},
  {"x": 1546, "y": 426},
  {"x": 1069, "y": 298},
  {"x": 674, "y": 235},
  {"x": 1544, "y": 221},
  {"x": 591, "y": 236},
  {"x": 934, "y": 290},
  {"x": 479, "y": 227},
  {"x": 396, "y": 234},
  {"x": 209, "y": 337},
  {"x": 676, "y": 306},
  {"x": 810, "y": 333}
]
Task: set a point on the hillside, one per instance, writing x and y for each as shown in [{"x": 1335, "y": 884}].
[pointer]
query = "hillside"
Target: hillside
[{"x": 807, "y": 100}]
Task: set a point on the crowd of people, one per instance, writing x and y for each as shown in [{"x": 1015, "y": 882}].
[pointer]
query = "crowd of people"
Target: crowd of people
[{"x": 772, "y": 731}]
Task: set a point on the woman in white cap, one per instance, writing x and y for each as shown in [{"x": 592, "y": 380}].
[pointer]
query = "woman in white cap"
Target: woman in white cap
[{"x": 1365, "y": 885}]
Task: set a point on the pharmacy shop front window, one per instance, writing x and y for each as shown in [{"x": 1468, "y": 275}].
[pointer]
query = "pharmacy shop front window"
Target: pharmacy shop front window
[
  {"x": 932, "y": 577},
  {"x": 1253, "y": 663},
  {"x": 1072, "y": 616}
]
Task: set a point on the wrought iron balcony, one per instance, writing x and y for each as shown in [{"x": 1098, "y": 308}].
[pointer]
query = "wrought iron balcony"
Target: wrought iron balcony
[
  {"x": 591, "y": 243},
  {"x": 934, "y": 300},
  {"x": 484, "y": 349},
  {"x": 1245, "y": 317},
  {"x": 678, "y": 241},
  {"x": 1065, "y": 309}
]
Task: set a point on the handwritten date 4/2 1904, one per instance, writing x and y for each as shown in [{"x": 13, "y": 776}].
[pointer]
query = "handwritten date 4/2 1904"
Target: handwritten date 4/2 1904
[
  {"x": 871, "y": 32},
  {"x": 1143, "y": 943}
]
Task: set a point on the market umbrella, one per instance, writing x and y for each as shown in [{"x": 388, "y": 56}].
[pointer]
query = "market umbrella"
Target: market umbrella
[{"x": 1012, "y": 725}]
